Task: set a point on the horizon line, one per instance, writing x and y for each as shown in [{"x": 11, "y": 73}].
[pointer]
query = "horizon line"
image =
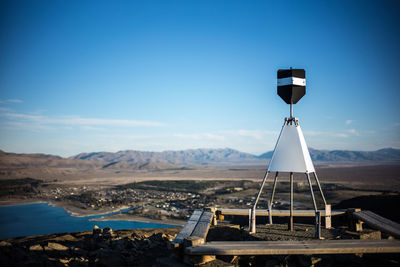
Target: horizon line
[{"x": 310, "y": 148}]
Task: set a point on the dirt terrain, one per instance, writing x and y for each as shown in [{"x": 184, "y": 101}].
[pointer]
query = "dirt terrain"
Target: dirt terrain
[
  {"x": 102, "y": 247},
  {"x": 105, "y": 247},
  {"x": 385, "y": 177},
  {"x": 171, "y": 194},
  {"x": 376, "y": 175}
]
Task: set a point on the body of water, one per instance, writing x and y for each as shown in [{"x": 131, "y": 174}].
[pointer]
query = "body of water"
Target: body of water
[{"x": 41, "y": 218}]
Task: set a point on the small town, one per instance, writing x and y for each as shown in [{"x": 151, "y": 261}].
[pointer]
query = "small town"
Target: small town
[{"x": 142, "y": 200}]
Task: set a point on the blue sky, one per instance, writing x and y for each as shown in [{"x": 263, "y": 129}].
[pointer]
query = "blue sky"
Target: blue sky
[{"x": 82, "y": 76}]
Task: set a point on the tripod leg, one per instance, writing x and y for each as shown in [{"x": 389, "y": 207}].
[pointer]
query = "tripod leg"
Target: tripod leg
[
  {"x": 328, "y": 216},
  {"x": 253, "y": 219},
  {"x": 272, "y": 198},
  {"x": 274, "y": 187},
  {"x": 269, "y": 212},
  {"x": 312, "y": 193},
  {"x": 291, "y": 203},
  {"x": 319, "y": 186}
]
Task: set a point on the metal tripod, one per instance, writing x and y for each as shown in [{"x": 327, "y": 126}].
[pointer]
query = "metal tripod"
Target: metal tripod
[
  {"x": 252, "y": 220},
  {"x": 290, "y": 225}
]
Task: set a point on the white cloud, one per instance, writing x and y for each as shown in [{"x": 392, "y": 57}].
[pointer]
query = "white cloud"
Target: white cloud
[
  {"x": 23, "y": 116},
  {"x": 200, "y": 136},
  {"x": 103, "y": 122},
  {"x": 348, "y": 122},
  {"x": 322, "y": 133},
  {"x": 255, "y": 134},
  {"x": 344, "y": 134},
  {"x": 354, "y": 131},
  {"x": 17, "y": 101},
  {"x": 20, "y": 125},
  {"x": 131, "y": 137},
  {"x": 79, "y": 121},
  {"x": 13, "y": 101},
  {"x": 87, "y": 128}
]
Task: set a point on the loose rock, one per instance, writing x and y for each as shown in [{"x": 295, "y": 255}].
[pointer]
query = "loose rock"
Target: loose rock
[
  {"x": 36, "y": 248},
  {"x": 55, "y": 246}
]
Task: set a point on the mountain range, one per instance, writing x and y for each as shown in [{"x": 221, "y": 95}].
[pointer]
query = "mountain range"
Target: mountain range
[
  {"x": 148, "y": 161},
  {"x": 106, "y": 164},
  {"x": 381, "y": 155},
  {"x": 229, "y": 156}
]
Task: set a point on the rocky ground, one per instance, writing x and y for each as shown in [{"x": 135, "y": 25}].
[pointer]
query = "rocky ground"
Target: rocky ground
[
  {"x": 102, "y": 247},
  {"x": 149, "y": 247}
]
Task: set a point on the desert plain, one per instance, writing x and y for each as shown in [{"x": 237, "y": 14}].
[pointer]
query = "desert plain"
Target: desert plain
[{"x": 169, "y": 193}]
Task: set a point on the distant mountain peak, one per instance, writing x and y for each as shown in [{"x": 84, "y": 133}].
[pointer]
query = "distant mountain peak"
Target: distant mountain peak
[
  {"x": 229, "y": 156},
  {"x": 200, "y": 156}
]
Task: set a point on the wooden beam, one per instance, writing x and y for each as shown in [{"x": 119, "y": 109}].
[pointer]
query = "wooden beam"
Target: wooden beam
[
  {"x": 188, "y": 228},
  {"x": 328, "y": 216},
  {"x": 378, "y": 222},
  {"x": 349, "y": 246},
  {"x": 277, "y": 213},
  {"x": 203, "y": 225}
]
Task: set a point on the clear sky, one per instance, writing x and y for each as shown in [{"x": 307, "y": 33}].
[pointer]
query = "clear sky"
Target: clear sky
[{"x": 83, "y": 76}]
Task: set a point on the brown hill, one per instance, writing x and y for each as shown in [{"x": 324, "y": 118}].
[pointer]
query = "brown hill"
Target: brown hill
[
  {"x": 14, "y": 160},
  {"x": 225, "y": 156},
  {"x": 150, "y": 166},
  {"x": 231, "y": 157},
  {"x": 42, "y": 166}
]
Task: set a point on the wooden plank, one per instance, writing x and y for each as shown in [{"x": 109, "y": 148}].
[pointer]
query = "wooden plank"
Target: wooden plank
[
  {"x": 383, "y": 219},
  {"x": 338, "y": 242},
  {"x": 313, "y": 242},
  {"x": 196, "y": 215},
  {"x": 278, "y": 213},
  {"x": 202, "y": 227},
  {"x": 206, "y": 216},
  {"x": 378, "y": 222},
  {"x": 188, "y": 228},
  {"x": 295, "y": 247},
  {"x": 185, "y": 232}
]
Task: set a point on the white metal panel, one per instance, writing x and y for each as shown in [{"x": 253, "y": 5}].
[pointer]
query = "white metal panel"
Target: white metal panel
[
  {"x": 291, "y": 81},
  {"x": 291, "y": 152},
  {"x": 307, "y": 158}
]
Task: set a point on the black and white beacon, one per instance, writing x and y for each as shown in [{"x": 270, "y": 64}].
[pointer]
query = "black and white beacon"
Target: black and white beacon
[{"x": 291, "y": 85}]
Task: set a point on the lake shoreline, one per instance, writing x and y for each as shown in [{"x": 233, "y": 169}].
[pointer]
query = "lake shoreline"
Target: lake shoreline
[
  {"x": 74, "y": 212},
  {"x": 124, "y": 217}
]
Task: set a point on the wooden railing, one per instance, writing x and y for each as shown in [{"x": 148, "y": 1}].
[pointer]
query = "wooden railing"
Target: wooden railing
[{"x": 348, "y": 246}]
